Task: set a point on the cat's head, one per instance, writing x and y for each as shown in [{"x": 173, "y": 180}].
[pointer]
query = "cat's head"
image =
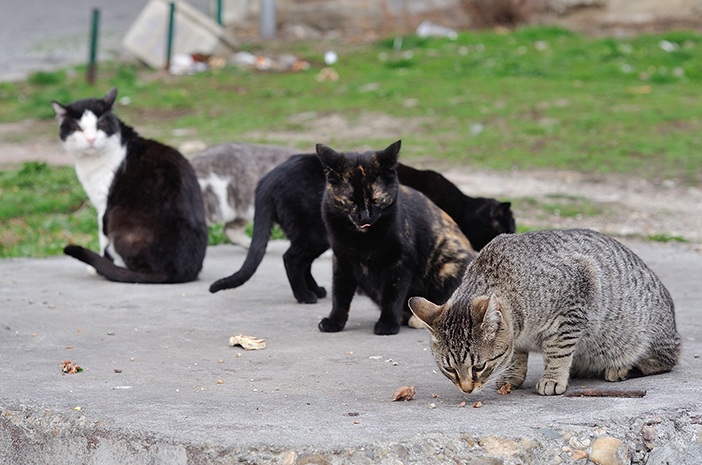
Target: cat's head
[
  {"x": 87, "y": 126},
  {"x": 494, "y": 218},
  {"x": 471, "y": 339},
  {"x": 361, "y": 187}
]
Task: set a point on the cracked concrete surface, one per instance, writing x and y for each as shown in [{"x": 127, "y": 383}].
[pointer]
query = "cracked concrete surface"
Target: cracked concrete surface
[{"x": 161, "y": 384}]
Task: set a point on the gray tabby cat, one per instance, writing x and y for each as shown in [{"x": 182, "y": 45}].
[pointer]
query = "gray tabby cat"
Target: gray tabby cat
[
  {"x": 586, "y": 301},
  {"x": 228, "y": 174}
]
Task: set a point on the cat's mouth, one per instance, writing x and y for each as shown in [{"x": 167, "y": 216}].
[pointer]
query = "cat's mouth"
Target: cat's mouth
[{"x": 364, "y": 226}]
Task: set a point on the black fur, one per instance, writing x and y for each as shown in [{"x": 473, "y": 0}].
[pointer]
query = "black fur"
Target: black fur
[
  {"x": 389, "y": 240},
  {"x": 290, "y": 195},
  {"x": 481, "y": 219}
]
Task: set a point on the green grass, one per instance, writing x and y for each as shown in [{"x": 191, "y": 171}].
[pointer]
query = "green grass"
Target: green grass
[
  {"x": 534, "y": 98},
  {"x": 43, "y": 209}
]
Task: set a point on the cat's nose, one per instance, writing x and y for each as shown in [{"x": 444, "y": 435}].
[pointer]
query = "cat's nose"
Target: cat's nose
[
  {"x": 468, "y": 386},
  {"x": 364, "y": 217}
]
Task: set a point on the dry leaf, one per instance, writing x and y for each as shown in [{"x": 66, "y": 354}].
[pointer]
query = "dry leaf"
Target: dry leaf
[
  {"x": 478, "y": 404},
  {"x": 69, "y": 367},
  {"x": 506, "y": 389},
  {"x": 247, "y": 342},
  {"x": 403, "y": 393}
]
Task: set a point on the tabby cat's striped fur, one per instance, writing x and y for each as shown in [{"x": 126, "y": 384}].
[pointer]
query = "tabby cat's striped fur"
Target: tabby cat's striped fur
[{"x": 586, "y": 301}]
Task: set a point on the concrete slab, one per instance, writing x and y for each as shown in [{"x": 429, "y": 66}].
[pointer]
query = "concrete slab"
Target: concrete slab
[
  {"x": 193, "y": 32},
  {"x": 161, "y": 384}
]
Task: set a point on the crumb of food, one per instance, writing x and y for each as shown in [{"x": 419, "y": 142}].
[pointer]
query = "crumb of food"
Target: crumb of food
[
  {"x": 478, "y": 404},
  {"x": 434, "y": 395},
  {"x": 506, "y": 389},
  {"x": 247, "y": 342},
  {"x": 403, "y": 393},
  {"x": 220, "y": 381},
  {"x": 118, "y": 370},
  {"x": 69, "y": 367},
  {"x": 462, "y": 404}
]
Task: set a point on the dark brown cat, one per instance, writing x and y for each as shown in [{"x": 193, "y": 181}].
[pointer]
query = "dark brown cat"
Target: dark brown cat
[{"x": 389, "y": 241}]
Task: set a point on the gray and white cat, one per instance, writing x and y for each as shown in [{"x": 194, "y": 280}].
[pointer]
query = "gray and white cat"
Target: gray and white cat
[
  {"x": 228, "y": 174},
  {"x": 586, "y": 301}
]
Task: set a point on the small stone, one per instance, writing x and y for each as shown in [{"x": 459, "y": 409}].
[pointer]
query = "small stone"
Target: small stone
[
  {"x": 313, "y": 459},
  {"x": 289, "y": 457},
  {"x": 605, "y": 451},
  {"x": 648, "y": 433}
]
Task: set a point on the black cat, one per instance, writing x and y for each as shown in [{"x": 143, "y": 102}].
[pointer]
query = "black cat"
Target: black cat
[
  {"x": 480, "y": 218},
  {"x": 290, "y": 195},
  {"x": 389, "y": 240},
  {"x": 151, "y": 217}
]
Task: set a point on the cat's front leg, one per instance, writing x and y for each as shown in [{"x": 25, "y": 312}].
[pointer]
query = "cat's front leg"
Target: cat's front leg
[
  {"x": 392, "y": 305},
  {"x": 343, "y": 288},
  {"x": 515, "y": 373},
  {"x": 558, "y": 358}
]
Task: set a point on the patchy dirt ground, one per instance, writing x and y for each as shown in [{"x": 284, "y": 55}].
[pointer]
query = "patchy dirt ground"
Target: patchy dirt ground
[{"x": 620, "y": 206}]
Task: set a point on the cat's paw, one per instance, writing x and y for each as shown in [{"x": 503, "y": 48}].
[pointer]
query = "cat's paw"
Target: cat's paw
[
  {"x": 330, "y": 326},
  {"x": 321, "y": 292},
  {"x": 514, "y": 382},
  {"x": 306, "y": 298},
  {"x": 550, "y": 387},
  {"x": 383, "y": 328},
  {"x": 616, "y": 374},
  {"x": 416, "y": 323}
]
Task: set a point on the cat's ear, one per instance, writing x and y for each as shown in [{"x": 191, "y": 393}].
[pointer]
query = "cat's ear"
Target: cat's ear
[
  {"x": 489, "y": 310},
  {"x": 59, "y": 110},
  {"x": 330, "y": 158},
  {"x": 427, "y": 312},
  {"x": 110, "y": 97},
  {"x": 388, "y": 157},
  {"x": 501, "y": 210}
]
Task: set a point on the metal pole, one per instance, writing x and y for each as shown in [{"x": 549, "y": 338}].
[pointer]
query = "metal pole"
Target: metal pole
[
  {"x": 92, "y": 60},
  {"x": 169, "y": 40},
  {"x": 219, "y": 12},
  {"x": 267, "y": 19}
]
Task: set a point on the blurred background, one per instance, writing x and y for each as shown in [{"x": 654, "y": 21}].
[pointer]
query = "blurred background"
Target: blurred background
[{"x": 581, "y": 113}]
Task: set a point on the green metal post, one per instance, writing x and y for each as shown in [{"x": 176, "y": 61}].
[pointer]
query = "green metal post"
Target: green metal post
[
  {"x": 92, "y": 60},
  {"x": 169, "y": 40},
  {"x": 219, "y": 12}
]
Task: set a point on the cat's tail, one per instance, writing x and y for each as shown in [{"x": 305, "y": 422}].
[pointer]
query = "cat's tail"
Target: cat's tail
[
  {"x": 263, "y": 222},
  {"x": 109, "y": 270}
]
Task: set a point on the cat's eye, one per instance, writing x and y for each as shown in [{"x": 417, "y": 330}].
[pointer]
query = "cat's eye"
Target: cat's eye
[
  {"x": 479, "y": 367},
  {"x": 451, "y": 372}
]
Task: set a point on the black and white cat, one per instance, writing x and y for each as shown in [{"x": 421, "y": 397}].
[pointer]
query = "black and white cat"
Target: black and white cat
[{"x": 151, "y": 219}]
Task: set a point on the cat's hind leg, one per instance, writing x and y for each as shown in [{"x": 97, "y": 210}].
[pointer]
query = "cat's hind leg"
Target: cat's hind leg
[
  {"x": 235, "y": 231},
  {"x": 298, "y": 267}
]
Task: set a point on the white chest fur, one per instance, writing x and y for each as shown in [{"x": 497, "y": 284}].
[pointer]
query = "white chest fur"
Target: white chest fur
[{"x": 97, "y": 158}]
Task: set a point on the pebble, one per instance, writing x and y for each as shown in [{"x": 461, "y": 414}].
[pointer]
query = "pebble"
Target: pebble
[{"x": 605, "y": 451}]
